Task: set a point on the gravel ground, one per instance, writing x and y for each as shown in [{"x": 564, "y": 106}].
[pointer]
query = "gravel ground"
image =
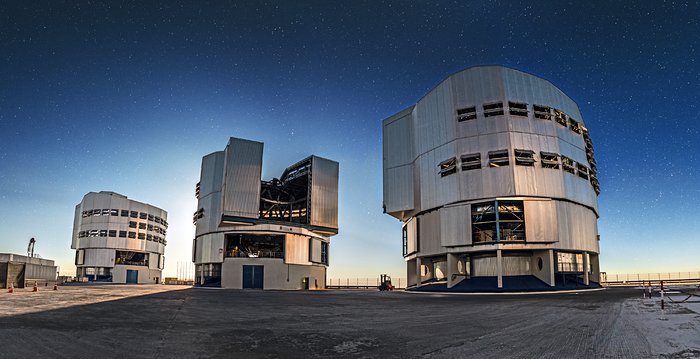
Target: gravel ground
[{"x": 151, "y": 321}]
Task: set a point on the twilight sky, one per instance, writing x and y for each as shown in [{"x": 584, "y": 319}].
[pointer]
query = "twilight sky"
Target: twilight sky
[{"x": 128, "y": 96}]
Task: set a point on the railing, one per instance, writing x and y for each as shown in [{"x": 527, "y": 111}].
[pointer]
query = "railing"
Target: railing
[
  {"x": 362, "y": 283},
  {"x": 254, "y": 254},
  {"x": 617, "y": 280}
]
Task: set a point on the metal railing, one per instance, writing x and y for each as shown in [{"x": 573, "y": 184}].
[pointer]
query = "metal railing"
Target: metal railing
[
  {"x": 362, "y": 283},
  {"x": 636, "y": 279}
]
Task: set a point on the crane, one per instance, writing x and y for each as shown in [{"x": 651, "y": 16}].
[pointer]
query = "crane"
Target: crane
[{"x": 30, "y": 247}]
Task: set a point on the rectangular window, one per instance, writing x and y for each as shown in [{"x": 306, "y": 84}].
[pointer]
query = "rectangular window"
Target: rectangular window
[
  {"x": 94, "y": 233},
  {"x": 113, "y": 212},
  {"x": 96, "y": 212},
  {"x": 560, "y": 117},
  {"x": 524, "y": 158},
  {"x": 471, "y": 161},
  {"x": 158, "y": 220},
  {"x": 493, "y": 109},
  {"x": 574, "y": 125},
  {"x": 125, "y": 213},
  {"x": 324, "y": 253},
  {"x": 143, "y": 215},
  {"x": 131, "y": 258},
  {"x": 142, "y": 225},
  {"x": 142, "y": 235},
  {"x": 149, "y": 237},
  {"x": 595, "y": 183},
  {"x": 498, "y": 158},
  {"x": 132, "y": 224},
  {"x": 517, "y": 108},
  {"x": 122, "y": 234},
  {"x": 568, "y": 164},
  {"x": 105, "y": 212},
  {"x": 484, "y": 222},
  {"x": 542, "y": 112},
  {"x": 85, "y": 214},
  {"x": 112, "y": 232},
  {"x": 132, "y": 234},
  {"x": 582, "y": 171},
  {"x": 151, "y": 217},
  {"x": 448, "y": 167},
  {"x": 466, "y": 114},
  {"x": 549, "y": 160},
  {"x": 150, "y": 227},
  {"x": 134, "y": 214},
  {"x": 103, "y": 233},
  {"x": 80, "y": 257}
]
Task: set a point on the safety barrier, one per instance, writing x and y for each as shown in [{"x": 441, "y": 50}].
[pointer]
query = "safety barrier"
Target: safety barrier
[{"x": 362, "y": 283}]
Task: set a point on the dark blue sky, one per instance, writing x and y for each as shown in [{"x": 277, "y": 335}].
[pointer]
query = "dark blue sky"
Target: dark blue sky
[{"x": 129, "y": 96}]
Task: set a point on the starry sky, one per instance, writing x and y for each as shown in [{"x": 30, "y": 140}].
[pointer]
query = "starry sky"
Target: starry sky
[{"x": 127, "y": 96}]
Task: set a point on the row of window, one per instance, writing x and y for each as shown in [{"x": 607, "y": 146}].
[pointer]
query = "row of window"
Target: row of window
[
  {"x": 150, "y": 227},
  {"x": 521, "y": 109},
  {"x": 124, "y": 213},
  {"x": 522, "y": 157},
  {"x": 121, "y": 234}
]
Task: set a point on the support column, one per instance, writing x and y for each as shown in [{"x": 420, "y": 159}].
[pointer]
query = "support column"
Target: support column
[
  {"x": 499, "y": 265},
  {"x": 419, "y": 275},
  {"x": 453, "y": 274},
  {"x": 595, "y": 268},
  {"x": 585, "y": 268},
  {"x": 551, "y": 268}
]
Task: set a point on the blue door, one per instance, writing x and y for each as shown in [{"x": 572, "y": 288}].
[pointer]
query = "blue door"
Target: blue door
[
  {"x": 132, "y": 276},
  {"x": 253, "y": 277}
]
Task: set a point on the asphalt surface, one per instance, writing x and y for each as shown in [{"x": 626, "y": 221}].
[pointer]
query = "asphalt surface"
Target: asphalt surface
[{"x": 176, "y": 322}]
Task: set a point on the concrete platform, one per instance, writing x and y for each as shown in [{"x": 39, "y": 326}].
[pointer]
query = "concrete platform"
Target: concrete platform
[{"x": 155, "y": 321}]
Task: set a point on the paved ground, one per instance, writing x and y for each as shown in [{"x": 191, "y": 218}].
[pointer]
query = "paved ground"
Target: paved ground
[{"x": 114, "y": 321}]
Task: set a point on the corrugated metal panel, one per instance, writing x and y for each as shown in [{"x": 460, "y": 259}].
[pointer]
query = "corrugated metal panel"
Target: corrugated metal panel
[
  {"x": 411, "y": 235},
  {"x": 398, "y": 188},
  {"x": 577, "y": 229},
  {"x": 455, "y": 225},
  {"x": 34, "y": 271},
  {"x": 241, "y": 188},
  {"x": 324, "y": 192},
  {"x": 540, "y": 221},
  {"x": 315, "y": 250},
  {"x": 398, "y": 139},
  {"x": 296, "y": 249},
  {"x": 76, "y": 226},
  {"x": 209, "y": 248},
  {"x": 98, "y": 257},
  {"x": 429, "y": 234}
]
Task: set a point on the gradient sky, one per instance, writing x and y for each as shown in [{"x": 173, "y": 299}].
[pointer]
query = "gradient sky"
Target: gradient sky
[{"x": 128, "y": 96}]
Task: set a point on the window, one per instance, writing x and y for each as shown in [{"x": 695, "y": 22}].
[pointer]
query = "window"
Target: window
[
  {"x": 134, "y": 214},
  {"x": 113, "y": 212},
  {"x": 549, "y": 160},
  {"x": 448, "y": 167},
  {"x": 103, "y": 233},
  {"x": 132, "y": 224},
  {"x": 466, "y": 114},
  {"x": 112, "y": 232},
  {"x": 143, "y": 215},
  {"x": 96, "y": 212},
  {"x": 122, "y": 234},
  {"x": 569, "y": 262},
  {"x": 524, "y": 158},
  {"x": 493, "y": 109},
  {"x": 131, "y": 258},
  {"x": 142, "y": 225},
  {"x": 574, "y": 125},
  {"x": 324, "y": 253},
  {"x": 150, "y": 227},
  {"x": 197, "y": 189},
  {"x": 157, "y": 220},
  {"x": 471, "y": 161},
  {"x": 125, "y": 213},
  {"x": 498, "y": 221},
  {"x": 595, "y": 183},
  {"x": 85, "y": 214},
  {"x": 132, "y": 234},
  {"x": 105, "y": 212},
  {"x": 197, "y": 215},
  {"x": 142, "y": 235},
  {"x": 542, "y": 112},
  {"x": 498, "y": 158},
  {"x": 150, "y": 217},
  {"x": 560, "y": 117},
  {"x": 567, "y": 164},
  {"x": 404, "y": 231},
  {"x": 517, "y": 108},
  {"x": 582, "y": 171},
  {"x": 149, "y": 237}
]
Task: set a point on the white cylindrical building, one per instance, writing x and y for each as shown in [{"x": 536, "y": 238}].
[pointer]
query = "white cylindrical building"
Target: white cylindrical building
[
  {"x": 493, "y": 177},
  {"x": 118, "y": 240}
]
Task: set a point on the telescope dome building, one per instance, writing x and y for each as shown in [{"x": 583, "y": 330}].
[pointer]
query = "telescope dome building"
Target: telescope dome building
[
  {"x": 260, "y": 234},
  {"x": 119, "y": 240},
  {"x": 493, "y": 177}
]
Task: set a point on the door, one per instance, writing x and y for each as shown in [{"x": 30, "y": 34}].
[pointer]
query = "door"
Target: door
[
  {"x": 132, "y": 276},
  {"x": 253, "y": 277}
]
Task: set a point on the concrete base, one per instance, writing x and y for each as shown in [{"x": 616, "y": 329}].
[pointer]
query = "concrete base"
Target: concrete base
[{"x": 277, "y": 274}]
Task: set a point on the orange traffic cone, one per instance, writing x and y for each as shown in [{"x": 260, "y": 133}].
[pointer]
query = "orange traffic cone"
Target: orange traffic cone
[
  {"x": 55, "y": 286},
  {"x": 12, "y": 288},
  {"x": 36, "y": 289}
]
